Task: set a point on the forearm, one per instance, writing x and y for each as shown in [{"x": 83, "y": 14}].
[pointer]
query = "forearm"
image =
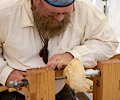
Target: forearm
[{"x": 92, "y": 51}]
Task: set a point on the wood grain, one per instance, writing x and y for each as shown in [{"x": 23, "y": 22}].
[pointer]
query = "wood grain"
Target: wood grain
[
  {"x": 109, "y": 81},
  {"x": 41, "y": 84}
]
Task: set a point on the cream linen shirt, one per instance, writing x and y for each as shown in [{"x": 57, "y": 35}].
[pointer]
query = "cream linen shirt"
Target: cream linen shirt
[{"x": 88, "y": 37}]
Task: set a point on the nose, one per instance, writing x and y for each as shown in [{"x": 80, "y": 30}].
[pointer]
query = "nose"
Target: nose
[{"x": 59, "y": 17}]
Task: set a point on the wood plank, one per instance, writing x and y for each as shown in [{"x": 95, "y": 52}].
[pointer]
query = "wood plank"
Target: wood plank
[
  {"x": 3, "y": 88},
  {"x": 116, "y": 56},
  {"x": 41, "y": 84},
  {"x": 109, "y": 81},
  {"x": 59, "y": 72}
]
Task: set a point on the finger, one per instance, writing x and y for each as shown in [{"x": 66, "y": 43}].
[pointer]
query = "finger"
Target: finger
[
  {"x": 7, "y": 83},
  {"x": 23, "y": 73},
  {"x": 52, "y": 60},
  {"x": 54, "y": 65},
  {"x": 59, "y": 66},
  {"x": 20, "y": 77},
  {"x": 48, "y": 64}
]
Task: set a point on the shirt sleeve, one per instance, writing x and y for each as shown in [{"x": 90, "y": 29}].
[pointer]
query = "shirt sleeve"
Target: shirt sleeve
[
  {"x": 99, "y": 41},
  {"x": 5, "y": 70}
]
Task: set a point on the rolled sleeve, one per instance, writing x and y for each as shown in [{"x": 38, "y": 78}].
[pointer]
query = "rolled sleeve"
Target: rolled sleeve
[
  {"x": 99, "y": 41},
  {"x": 84, "y": 55},
  {"x": 4, "y": 74}
]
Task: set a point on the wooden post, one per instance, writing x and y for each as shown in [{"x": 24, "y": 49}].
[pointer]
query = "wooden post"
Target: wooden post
[
  {"x": 107, "y": 86},
  {"x": 41, "y": 84}
]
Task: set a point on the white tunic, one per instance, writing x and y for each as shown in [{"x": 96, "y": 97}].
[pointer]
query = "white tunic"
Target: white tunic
[{"x": 88, "y": 37}]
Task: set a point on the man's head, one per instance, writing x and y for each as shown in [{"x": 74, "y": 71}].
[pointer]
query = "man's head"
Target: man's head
[
  {"x": 60, "y": 3},
  {"x": 52, "y": 16}
]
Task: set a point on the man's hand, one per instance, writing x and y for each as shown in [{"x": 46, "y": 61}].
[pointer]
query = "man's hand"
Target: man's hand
[
  {"x": 15, "y": 75},
  {"x": 59, "y": 60}
]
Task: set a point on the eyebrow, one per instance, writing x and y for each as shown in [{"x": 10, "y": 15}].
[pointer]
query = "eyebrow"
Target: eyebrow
[
  {"x": 50, "y": 11},
  {"x": 56, "y": 12}
]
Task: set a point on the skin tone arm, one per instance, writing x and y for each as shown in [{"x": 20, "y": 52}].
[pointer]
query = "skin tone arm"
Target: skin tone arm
[
  {"x": 59, "y": 60},
  {"x": 15, "y": 75}
]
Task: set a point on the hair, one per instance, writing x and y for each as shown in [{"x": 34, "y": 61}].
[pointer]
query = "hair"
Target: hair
[
  {"x": 49, "y": 30},
  {"x": 32, "y": 6}
]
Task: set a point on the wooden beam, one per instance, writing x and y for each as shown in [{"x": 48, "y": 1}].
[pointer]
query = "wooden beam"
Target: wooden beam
[
  {"x": 107, "y": 86},
  {"x": 41, "y": 84},
  {"x": 3, "y": 88}
]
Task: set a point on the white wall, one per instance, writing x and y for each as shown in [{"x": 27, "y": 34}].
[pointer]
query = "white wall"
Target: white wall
[
  {"x": 114, "y": 18},
  {"x": 99, "y": 3}
]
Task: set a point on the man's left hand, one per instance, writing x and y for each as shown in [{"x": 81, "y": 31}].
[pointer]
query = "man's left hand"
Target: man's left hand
[{"x": 59, "y": 60}]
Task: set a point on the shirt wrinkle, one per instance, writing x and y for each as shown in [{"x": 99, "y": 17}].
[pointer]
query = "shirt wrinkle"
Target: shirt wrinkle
[
  {"x": 7, "y": 4},
  {"x": 27, "y": 18}
]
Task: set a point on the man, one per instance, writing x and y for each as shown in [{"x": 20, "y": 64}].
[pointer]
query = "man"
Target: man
[{"x": 60, "y": 30}]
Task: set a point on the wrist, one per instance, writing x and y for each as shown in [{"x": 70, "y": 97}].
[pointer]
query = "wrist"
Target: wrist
[{"x": 70, "y": 55}]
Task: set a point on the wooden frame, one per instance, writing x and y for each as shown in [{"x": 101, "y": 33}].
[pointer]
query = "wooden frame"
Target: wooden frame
[
  {"x": 41, "y": 84},
  {"x": 106, "y": 86}
]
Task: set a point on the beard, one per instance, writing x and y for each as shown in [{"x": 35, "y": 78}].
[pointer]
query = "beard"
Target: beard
[{"x": 46, "y": 28}]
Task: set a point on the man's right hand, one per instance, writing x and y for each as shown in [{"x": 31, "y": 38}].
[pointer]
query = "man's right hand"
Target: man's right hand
[{"x": 15, "y": 75}]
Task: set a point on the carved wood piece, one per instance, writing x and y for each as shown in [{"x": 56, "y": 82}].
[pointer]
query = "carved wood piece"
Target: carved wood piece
[{"x": 41, "y": 84}]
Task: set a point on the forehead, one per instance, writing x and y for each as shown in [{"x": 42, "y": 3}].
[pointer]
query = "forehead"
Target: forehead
[{"x": 56, "y": 9}]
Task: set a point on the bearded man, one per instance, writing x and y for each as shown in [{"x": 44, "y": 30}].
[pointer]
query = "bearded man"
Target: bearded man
[{"x": 37, "y": 33}]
